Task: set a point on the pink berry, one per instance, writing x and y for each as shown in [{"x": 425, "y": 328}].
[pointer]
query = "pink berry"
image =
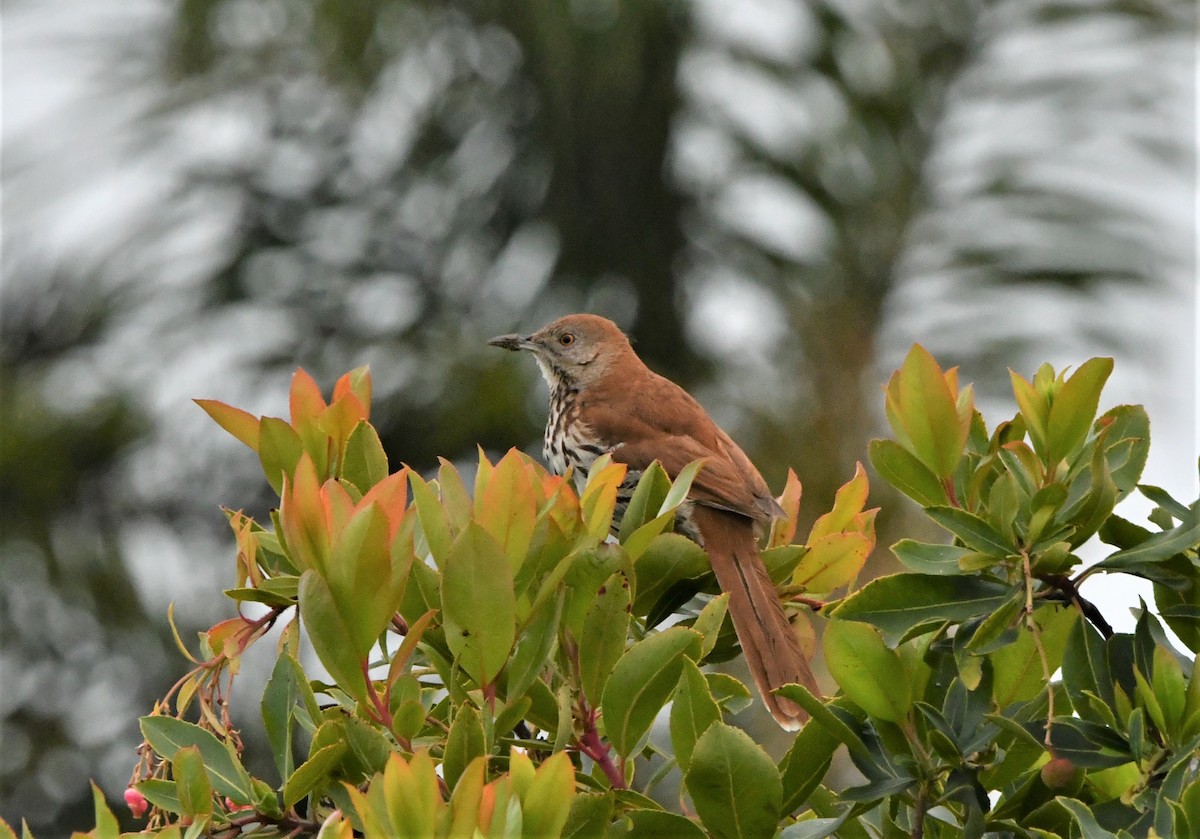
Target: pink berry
[{"x": 136, "y": 802}]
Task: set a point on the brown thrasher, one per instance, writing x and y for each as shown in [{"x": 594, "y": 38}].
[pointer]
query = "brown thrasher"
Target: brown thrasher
[{"x": 603, "y": 399}]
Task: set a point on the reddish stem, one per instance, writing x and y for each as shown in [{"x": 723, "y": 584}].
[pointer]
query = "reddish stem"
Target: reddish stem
[
  {"x": 595, "y": 748},
  {"x": 382, "y": 714}
]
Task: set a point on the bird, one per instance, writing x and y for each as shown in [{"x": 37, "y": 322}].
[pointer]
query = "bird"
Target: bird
[{"x": 605, "y": 400}]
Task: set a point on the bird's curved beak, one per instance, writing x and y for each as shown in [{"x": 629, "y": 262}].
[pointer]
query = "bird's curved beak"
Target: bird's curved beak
[{"x": 513, "y": 342}]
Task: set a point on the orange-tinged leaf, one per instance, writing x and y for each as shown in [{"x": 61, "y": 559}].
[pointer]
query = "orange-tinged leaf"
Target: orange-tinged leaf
[
  {"x": 408, "y": 646},
  {"x": 356, "y": 384},
  {"x": 848, "y": 502},
  {"x": 339, "y": 420},
  {"x": 391, "y": 494},
  {"x": 304, "y": 400},
  {"x": 247, "y": 547},
  {"x": 600, "y": 497},
  {"x": 563, "y": 503},
  {"x": 508, "y": 508},
  {"x": 483, "y": 474},
  {"x": 305, "y": 518},
  {"x": 241, "y": 424},
  {"x": 783, "y": 529},
  {"x": 832, "y": 561},
  {"x": 359, "y": 577},
  {"x": 339, "y": 506},
  {"x": 227, "y": 637},
  {"x": 487, "y": 805}
]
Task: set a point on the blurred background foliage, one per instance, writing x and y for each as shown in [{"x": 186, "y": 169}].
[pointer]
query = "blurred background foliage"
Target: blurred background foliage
[{"x": 773, "y": 198}]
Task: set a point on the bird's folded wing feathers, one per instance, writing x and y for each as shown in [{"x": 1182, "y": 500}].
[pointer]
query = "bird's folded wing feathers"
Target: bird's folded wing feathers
[{"x": 718, "y": 484}]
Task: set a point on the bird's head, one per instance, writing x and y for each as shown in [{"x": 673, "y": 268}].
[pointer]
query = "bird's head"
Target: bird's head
[{"x": 574, "y": 350}]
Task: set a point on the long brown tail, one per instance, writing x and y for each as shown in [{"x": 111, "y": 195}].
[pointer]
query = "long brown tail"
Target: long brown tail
[{"x": 771, "y": 648}]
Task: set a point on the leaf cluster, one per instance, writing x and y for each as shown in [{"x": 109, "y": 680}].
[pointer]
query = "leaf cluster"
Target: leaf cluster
[{"x": 495, "y": 657}]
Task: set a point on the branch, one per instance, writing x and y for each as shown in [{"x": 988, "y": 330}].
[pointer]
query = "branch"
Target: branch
[{"x": 1066, "y": 591}]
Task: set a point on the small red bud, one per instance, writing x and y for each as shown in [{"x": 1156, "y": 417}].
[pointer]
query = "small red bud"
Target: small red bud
[{"x": 136, "y": 802}]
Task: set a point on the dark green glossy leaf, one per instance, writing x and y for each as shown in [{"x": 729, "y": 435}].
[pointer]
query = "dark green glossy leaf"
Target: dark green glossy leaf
[
  {"x": 168, "y": 735},
  {"x": 926, "y": 558},
  {"x": 974, "y": 532},
  {"x": 899, "y": 602}
]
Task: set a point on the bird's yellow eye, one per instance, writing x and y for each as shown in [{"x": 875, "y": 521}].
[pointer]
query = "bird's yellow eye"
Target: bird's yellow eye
[{"x": 566, "y": 339}]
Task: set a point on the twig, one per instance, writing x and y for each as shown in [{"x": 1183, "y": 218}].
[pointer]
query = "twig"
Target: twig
[
  {"x": 1036, "y": 632},
  {"x": 1067, "y": 591}
]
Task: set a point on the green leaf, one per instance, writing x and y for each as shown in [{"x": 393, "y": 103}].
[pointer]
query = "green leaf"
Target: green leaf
[
  {"x": 641, "y": 682},
  {"x": 974, "y": 532},
  {"x": 919, "y": 398},
  {"x": 901, "y": 468},
  {"x": 692, "y": 712},
  {"x": 161, "y": 794},
  {"x": 1017, "y": 668},
  {"x": 547, "y": 802},
  {"x": 1126, "y": 430},
  {"x": 365, "y": 463},
  {"x": 279, "y": 450},
  {"x": 313, "y": 773},
  {"x": 464, "y": 743},
  {"x": 1074, "y": 407},
  {"x": 167, "y": 735},
  {"x": 816, "y": 828},
  {"x": 709, "y": 622},
  {"x": 535, "y": 646},
  {"x": 805, "y": 764},
  {"x": 360, "y": 577},
  {"x": 867, "y": 671},
  {"x": 191, "y": 782},
  {"x": 823, "y": 716},
  {"x": 900, "y": 602},
  {"x": 1034, "y": 409},
  {"x": 106, "y": 823},
  {"x": 926, "y": 558},
  {"x": 331, "y": 637},
  {"x": 602, "y": 642},
  {"x": 668, "y": 559},
  {"x": 1083, "y": 816},
  {"x": 734, "y": 785},
  {"x": 652, "y": 488},
  {"x": 478, "y": 604},
  {"x": 432, "y": 517},
  {"x": 659, "y": 824},
  {"x": 589, "y": 816},
  {"x": 1158, "y": 547}
]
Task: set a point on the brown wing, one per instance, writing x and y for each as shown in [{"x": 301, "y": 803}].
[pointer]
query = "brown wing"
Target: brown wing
[{"x": 658, "y": 420}]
